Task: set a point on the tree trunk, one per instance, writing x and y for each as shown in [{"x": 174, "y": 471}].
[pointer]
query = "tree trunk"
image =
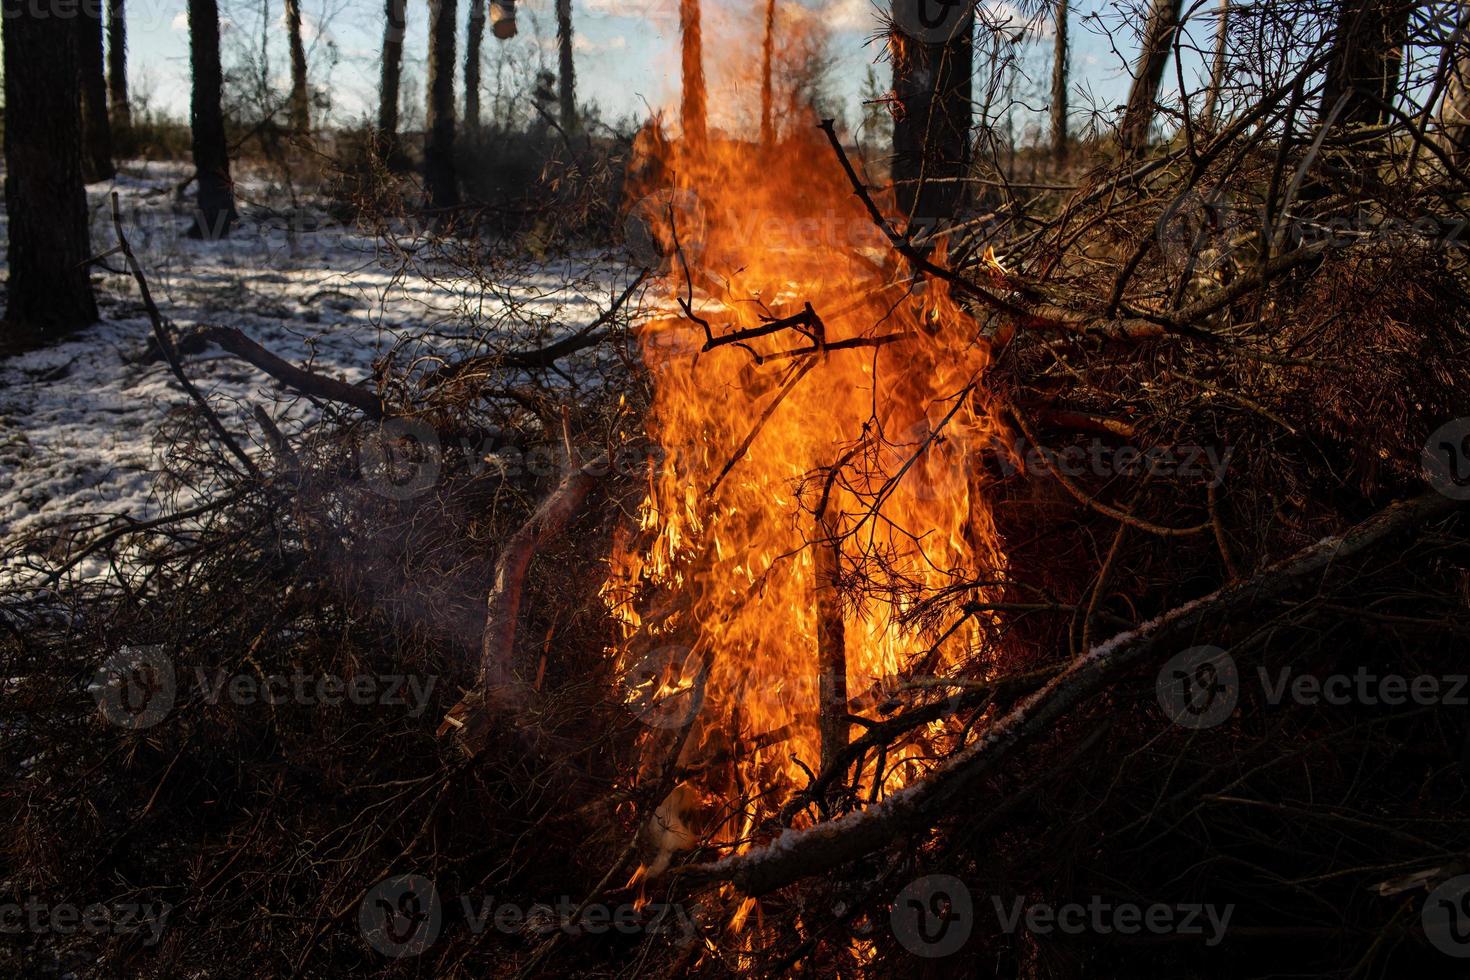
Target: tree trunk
[
  {"x": 300, "y": 94},
  {"x": 1158, "y": 39},
  {"x": 692, "y": 106},
  {"x": 117, "y": 65},
  {"x": 768, "y": 133},
  {"x": 96, "y": 129},
  {"x": 1454, "y": 108},
  {"x": 1367, "y": 51},
  {"x": 931, "y": 135},
  {"x": 1217, "y": 70},
  {"x": 475, "y": 37},
  {"x": 439, "y": 139},
  {"x": 1059, "y": 70},
  {"x": 49, "y": 290},
  {"x": 568, "y": 90},
  {"x": 395, "y": 23},
  {"x": 216, "y": 192}
]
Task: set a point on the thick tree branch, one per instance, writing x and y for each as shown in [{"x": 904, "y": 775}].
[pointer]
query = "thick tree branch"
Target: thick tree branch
[{"x": 798, "y": 854}]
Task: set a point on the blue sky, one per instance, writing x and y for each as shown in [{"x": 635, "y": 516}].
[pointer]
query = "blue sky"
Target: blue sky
[{"x": 626, "y": 49}]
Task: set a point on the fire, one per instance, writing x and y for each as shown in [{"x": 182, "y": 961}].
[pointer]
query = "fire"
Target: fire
[{"x": 817, "y": 494}]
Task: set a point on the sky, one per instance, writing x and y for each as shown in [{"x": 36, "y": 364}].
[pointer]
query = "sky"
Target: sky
[{"x": 626, "y": 50}]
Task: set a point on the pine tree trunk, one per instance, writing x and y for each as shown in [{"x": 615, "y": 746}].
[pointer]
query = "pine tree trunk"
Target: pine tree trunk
[
  {"x": 117, "y": 65},
  {"x": 692, "y": 106},
  {"x": 568, "y": 90},
  {"x": 439, "y": 145},
  {"x": 475, "y": 38},
  {"x": 768, "y": 130},
  {"x": 1158, "y": 39},
  {"x": 300, "y": 94},
  {"x": 1454, "y": 108},
  {"x": 1217, "y": 69},
  {"x": 49, "y": 290},
  {"x": 395, "y": 23},
  {"x": 216, "y": 192},
  {"x": 1367, "y": 51},
  {"x": 96, "y": 128},
  {"x": 931, "y": 134},
  {"x": 1059, "y": 70}
]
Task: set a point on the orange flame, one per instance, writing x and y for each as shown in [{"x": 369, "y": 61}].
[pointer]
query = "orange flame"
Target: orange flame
[{"x": 818, "y": 413}]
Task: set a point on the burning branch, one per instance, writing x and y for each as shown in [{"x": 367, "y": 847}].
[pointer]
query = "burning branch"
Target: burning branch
[{"x": 799, "y": 854}]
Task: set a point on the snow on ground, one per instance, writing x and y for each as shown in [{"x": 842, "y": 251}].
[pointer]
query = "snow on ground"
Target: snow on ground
[{"x": 79, "y": 420}]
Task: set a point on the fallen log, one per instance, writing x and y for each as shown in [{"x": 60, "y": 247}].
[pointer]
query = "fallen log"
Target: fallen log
[{"x": 797, "y": 854}]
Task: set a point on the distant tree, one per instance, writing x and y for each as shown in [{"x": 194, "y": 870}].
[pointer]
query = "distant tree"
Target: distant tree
[
  {"x": 1158, "y": 39},
  {"x": 96, "y": 127},
  {"x": 300, "y": 93},
  {"x": 1217, "y": 68},
  {"x": 567, "y": 90},
  {"x": 394, "y": 24},
  {"x": 474, "y": 39},
  {"x": 932, "y": 72},
  {"x": 117, "y": 65},
  {"x": 1454, "y": 108},
  {"x": 49, "y": 290},
  {"x": 692, "y": 104},
  {"x": 1059, "y": 71},
  {"x": 877, "y": 132},
  {"x": 216, "y": 192},
  {"x": 439, "y": 146},
  {"x": 768, "y": 133},
  {"x": 1367, "y": 51}
]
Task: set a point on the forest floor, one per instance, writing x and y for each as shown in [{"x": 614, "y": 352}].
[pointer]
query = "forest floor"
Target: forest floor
[{"x": 81, "y": 420}]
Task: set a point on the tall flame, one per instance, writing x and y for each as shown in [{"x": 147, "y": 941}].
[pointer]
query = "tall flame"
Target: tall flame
[{"x": 818, "y": 413}]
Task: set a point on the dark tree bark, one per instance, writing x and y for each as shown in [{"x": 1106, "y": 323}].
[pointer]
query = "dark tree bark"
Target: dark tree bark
[
  {"x": 48, "y": 291},
  {"x": 1059, "y": 71},
  {"x": 692, "y": 105},
  {"x": 475, "y": 37},
  {"x": 768, "y": 132},
  {"x": 216, "y": 191},
  {"x": 395, "y": 23},
  {"x": 1217, "y": 69},
  {"x": 1367, "y": 51},
  {"x": 300, "y": 94},
  {"x": 117, "y": 64},
  {"x": 1158, "y": 39},
  {"x": 931, "y": 134},
  {"x": 96, "y": 127},
  {"x": 439, "y": 145},
  {"x": 568, "y": 74}
]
